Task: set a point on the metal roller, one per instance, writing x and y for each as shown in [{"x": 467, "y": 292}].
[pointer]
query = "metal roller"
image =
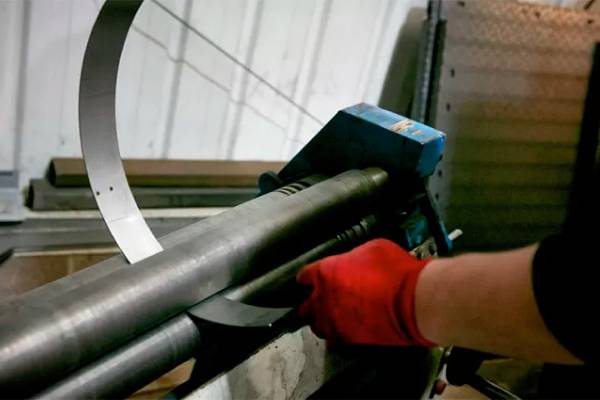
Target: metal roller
[
  {"x": 46, "y": 333},
  {"x": 143, "y": 359},
  {"x": 125, "y": 370}
]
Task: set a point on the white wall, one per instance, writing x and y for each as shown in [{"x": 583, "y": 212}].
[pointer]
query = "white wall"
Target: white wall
[{"x": 179, "y": 97}]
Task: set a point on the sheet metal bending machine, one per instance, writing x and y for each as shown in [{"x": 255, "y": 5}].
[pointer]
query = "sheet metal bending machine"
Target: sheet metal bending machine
[{"x": 222, "y": 290}]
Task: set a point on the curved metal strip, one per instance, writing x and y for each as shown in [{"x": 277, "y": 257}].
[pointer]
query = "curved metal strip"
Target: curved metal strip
[{"x": 97, "y": 128}]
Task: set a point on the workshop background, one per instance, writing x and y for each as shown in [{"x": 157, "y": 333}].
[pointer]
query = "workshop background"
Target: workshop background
[
  {"x": 256, "y": 79},
  {"x": 179, "y": 95}
]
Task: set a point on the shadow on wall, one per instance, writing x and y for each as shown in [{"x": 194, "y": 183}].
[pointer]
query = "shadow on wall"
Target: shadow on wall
[{"x": 399, "y": 86}]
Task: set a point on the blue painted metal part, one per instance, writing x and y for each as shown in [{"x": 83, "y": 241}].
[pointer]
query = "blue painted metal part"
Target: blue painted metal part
[{"x": 364, "y": 136}]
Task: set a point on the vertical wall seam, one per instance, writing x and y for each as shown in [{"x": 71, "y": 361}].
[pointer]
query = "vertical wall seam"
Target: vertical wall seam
[
  {"x": 140, "y": 85},
  {"x": 22, "y": 85},
  {"x": 382, "y": 22},
  {"x": 308, "y": 71},
  {"x": 176, "y": 82},
  {"x": 240, "y": 97},
  {"x": 9, "y": 82},
  {"x": 64, "y": 77}
]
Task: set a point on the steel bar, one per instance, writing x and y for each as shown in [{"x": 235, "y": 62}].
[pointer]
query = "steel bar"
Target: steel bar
[
  {"x": 70, "y": 172},
  {"x": 262, "y": 288},
  {"x": 44, "y": 197},
  {"x": 143, "y": 359},
  {"x": 190, "y": 232},
  {"x": 46, "y": 333},
  {"x": 56, "y": 234},
  {"x": 426, "y": 63},
  {"x": 130, "y": 367}
]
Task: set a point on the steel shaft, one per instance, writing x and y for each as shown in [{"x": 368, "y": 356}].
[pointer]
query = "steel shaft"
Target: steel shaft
[
  {"x": 51, "y": 331},
  {"x": 161, "y": 349}
]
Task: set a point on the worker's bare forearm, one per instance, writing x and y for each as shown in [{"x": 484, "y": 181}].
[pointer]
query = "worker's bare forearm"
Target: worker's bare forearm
[{"x": 486, "y": 302}]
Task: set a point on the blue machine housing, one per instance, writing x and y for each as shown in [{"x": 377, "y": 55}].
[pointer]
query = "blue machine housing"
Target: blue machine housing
[{"x": 364, "y": 136}]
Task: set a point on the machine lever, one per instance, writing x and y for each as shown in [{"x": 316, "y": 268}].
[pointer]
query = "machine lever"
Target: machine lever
[{"x": 223, "y": 311}]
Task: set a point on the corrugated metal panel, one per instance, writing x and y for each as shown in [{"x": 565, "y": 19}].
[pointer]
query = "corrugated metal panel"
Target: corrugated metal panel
[
  {"x": 180, "y": 96},
  {"x": 510, "y": 93}
]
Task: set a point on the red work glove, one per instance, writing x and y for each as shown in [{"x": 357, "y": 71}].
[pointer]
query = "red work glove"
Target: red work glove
[{"x": 365, "y": 296}]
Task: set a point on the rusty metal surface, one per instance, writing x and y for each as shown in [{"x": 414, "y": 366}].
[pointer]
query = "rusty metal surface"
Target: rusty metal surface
[
  {"x": 509, "y": 94},
  {"x": 66, "y": 172},
  {"x": 45, "y": 197}
]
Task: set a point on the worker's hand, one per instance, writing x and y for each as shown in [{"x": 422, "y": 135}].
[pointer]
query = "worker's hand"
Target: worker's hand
[{"x": 365, "y": 296}]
